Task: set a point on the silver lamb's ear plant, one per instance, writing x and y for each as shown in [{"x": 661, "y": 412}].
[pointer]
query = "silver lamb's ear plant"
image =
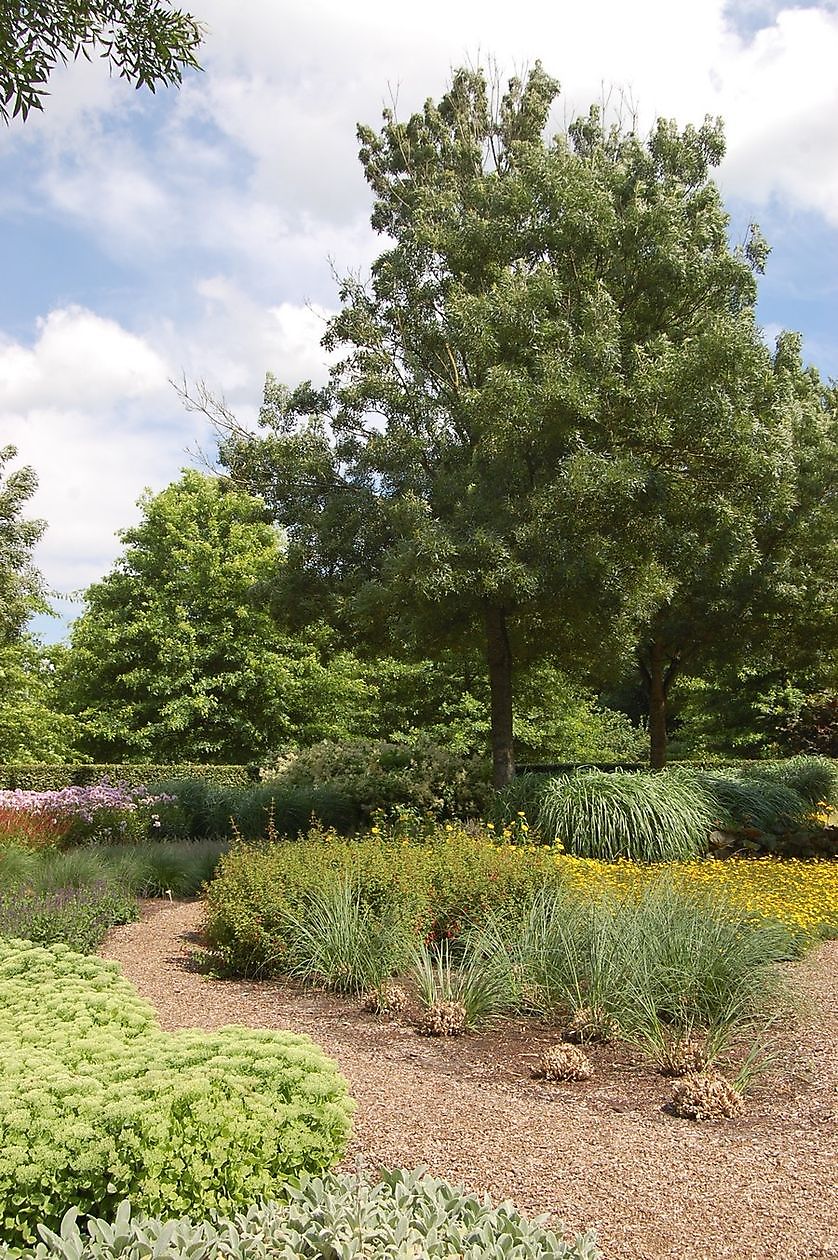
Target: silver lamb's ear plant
[{"x": 400, "y": 1215}]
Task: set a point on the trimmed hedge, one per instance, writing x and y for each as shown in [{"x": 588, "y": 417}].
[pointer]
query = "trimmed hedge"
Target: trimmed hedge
[
  {"x": 50, "y": 778},
  {"x": 331, "y": 1218},
  {"x": 98, "y": 1104}
]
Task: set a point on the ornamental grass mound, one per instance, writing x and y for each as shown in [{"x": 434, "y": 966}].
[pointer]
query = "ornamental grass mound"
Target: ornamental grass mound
[
  {"x": 661, "y": 817},
  {"x": 98, "y": 1104}
]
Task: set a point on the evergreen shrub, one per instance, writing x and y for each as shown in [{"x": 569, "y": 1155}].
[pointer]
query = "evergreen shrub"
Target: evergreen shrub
[
  {"x": 98, "y": 1104},
  {"x": 36, "y": 777}
]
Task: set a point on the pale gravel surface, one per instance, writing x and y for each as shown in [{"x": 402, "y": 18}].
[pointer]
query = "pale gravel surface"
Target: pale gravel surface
[{"x": 602, "y": 1155}]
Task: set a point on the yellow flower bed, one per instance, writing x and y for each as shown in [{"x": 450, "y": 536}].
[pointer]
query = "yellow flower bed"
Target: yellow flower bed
[{"x": 802, "y": 894}]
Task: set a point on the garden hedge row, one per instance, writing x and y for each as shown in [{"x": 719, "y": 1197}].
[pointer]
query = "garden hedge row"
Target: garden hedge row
[
  {"x": 99, "y": 1105},
  {"x": 51, "y": 778}
]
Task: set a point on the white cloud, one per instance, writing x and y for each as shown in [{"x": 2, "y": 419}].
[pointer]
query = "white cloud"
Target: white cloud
[
  {"x": 78, "y": 360},
  {"x": 90, "y": 405}
]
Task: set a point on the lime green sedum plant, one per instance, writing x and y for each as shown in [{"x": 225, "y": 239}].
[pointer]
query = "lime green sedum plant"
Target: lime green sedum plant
[{"x": 98, "y": 1104}]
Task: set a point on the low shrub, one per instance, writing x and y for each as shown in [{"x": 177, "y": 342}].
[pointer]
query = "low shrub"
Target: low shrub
[
  {"x": 77, "y": 917},
  {"x": 400, "y": 1214},
  {"x": 97, "y": 1104},
  {"x": 377, "y": 775},
  {"x": 643, "y": 817},
  {"x": 433, "y": 889}
]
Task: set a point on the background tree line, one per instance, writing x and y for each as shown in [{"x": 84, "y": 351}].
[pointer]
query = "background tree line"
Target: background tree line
[{"x": 555, "y": 465}]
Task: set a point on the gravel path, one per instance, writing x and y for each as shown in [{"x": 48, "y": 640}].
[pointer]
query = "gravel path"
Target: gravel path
[{"x": 600, "y": 1155}]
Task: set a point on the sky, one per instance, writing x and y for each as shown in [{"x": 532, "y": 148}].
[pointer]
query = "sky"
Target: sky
[{"x": 196, "y": 233}]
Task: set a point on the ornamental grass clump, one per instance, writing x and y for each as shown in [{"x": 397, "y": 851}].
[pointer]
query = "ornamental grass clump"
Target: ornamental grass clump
[
  {"x": 98, "y": 1104},
  {"x": 815, "y": 779},
  {"x": 660, "y": 817},
  {"x": 336, "y": 941},
  {"x": 456, "y": 998}
]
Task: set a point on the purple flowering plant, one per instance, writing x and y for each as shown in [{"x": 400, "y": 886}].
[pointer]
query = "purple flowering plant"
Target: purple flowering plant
[{"x": 102, "y": 813}]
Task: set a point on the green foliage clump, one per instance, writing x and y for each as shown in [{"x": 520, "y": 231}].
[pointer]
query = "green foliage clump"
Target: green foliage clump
[
  {"x": 206, "y": 810},
  {"x": 402, "y": 1213},
  {"x": 263, "y": 897},
  {"x": 643, "y": 817},
  {"x": 97, "y": 1104},
  {"x": 375, "y": 774},
  {"x": 77, "y": 917},
  {"x": 815, "y": 779}
]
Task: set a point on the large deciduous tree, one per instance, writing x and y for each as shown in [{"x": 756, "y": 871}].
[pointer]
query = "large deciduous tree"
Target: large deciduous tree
[
  {"x": 751, "y": 568},
  {"x": 178, "y": 656},
  {"x": 557, "y": 339},
  {"x": 148, "y": 42}
]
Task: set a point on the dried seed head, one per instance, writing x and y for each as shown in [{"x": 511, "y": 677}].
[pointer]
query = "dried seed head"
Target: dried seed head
[
  {"x": 388, "y": 999},
  {"x": 590, "y": 1024},
  {"x": 563, "y": 1063},
  {"x": 705, "y": 1096},
  {"x": 682, "y": 1057},
  {"x": 442, "y": 1019}
]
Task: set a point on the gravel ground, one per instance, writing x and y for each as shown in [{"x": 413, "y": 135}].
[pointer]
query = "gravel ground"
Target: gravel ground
[{"x": 599, "y": 1155}]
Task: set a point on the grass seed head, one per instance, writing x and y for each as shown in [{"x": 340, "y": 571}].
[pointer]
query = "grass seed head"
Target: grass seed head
[
  {"x": 705, "y": 1096},
  {"x": 563, "y": 1062}
]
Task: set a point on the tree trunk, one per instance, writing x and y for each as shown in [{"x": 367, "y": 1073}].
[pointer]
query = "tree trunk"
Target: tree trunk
[
  {"x": 657, "y": 708},
  {"x": 499, "y": 659}
]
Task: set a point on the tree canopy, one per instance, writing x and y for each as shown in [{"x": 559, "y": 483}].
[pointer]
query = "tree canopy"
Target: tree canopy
[
  {"x": 555, "y": 354},
  {"x": 148, "y": 42},
  {"x": 178, "y": 655},
  {"x": 21, "y": 588}
]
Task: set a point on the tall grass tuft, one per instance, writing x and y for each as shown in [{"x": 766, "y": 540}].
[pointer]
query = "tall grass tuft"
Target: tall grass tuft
[
  {"x": 475, "y": 986},
  {"x": 660, "y": 817},
  {"x": 552, "y": 958},
  {"x": 337, "y": 941},
  {"x": 761, "y": 803},
  {"x": 663, "y": 968},
  {"x": 815, "y": 779},
  {"x": 701, "y": 970}
]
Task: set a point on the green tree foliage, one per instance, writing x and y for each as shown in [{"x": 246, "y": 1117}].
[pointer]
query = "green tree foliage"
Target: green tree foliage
[
  {"x": 178, "y": 656},
  {"x": 29, "y": 726},
  {"x": 148, "y": 42},
  {"x": 21, "y": 591},
  {"x": 751, "y": 572},
  {"x": 557, "y": 340},
  {"x": 32, "y": 727}
]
